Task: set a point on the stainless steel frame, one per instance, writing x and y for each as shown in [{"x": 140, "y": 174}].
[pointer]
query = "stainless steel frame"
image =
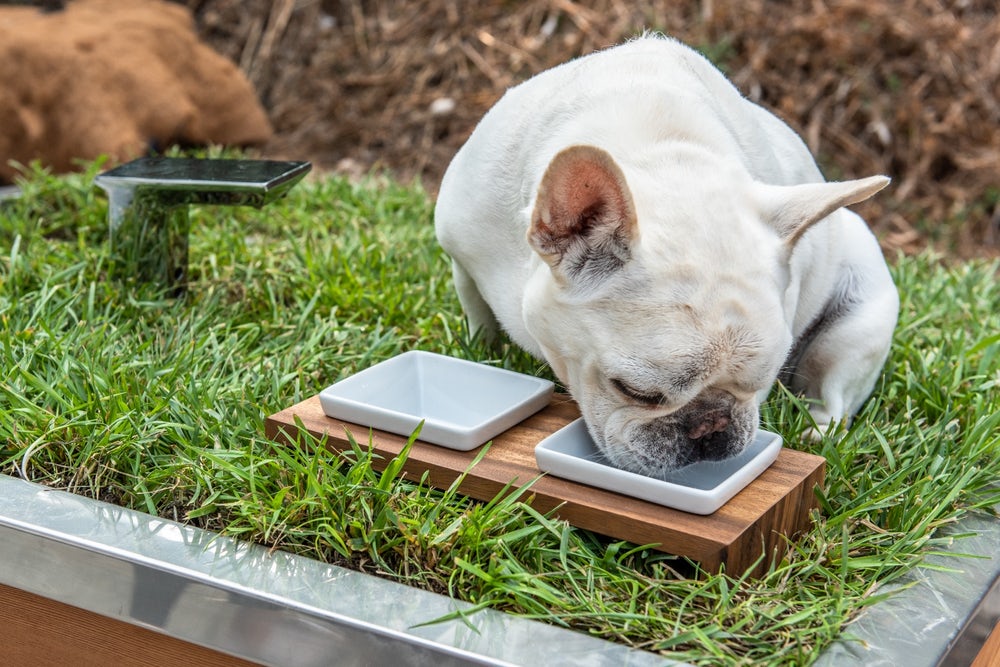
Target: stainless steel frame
[
  {"x": 932, "y": 609},
  {"x": 275, "y": 608},
  {"x": 265, "y": 606}
]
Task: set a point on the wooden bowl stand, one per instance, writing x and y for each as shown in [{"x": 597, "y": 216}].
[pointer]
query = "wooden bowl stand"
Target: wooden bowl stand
[{"x": 757, "y": 521}]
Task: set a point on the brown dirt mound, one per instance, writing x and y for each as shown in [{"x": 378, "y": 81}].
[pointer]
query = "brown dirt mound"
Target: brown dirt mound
[
  {"x": 103, "y": 77},
  {"x": 910, "y": 88}
]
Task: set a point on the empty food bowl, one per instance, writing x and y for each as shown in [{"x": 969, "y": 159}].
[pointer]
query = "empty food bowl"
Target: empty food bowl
[{"x": 463, "y": 404}]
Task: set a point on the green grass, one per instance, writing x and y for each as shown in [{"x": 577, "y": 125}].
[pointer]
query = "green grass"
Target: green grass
[{"x": 121, "y": 394}]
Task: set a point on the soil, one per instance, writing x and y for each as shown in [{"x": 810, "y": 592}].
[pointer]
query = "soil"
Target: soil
[{"x": 908, "y": 88}]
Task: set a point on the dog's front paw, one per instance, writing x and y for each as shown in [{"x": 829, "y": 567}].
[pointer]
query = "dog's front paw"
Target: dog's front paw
[
  {"x": 816, "y": 433},
  {"x": 823, "y": 426}
]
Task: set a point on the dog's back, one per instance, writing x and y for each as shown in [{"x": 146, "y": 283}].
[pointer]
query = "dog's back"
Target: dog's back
[{"x": 641, "y": 92}]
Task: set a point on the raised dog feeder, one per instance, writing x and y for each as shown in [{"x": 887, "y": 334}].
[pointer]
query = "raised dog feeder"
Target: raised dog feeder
[
  {"x": 148, "y": 207},
  {"x": 756, "y": 521}
]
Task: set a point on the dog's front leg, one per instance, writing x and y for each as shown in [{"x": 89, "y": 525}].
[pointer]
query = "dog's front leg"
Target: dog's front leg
[
  {"x": 478, "y": 314},
  {"x": 842, "y": 361}
]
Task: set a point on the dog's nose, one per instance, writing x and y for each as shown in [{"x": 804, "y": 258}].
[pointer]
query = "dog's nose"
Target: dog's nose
[{"x": 709, "y": 423}]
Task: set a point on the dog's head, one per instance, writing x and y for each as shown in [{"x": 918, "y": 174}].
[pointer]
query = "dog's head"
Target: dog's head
[{"x": 663, "y": 307}]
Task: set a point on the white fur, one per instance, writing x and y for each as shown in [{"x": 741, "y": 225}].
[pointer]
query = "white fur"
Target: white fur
[{"x": 738, "y": 249}]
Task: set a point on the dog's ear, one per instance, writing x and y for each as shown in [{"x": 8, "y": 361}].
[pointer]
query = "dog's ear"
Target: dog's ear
[
  {"x": 792, "y": 209},
  {"x": 584, "y": 218}
]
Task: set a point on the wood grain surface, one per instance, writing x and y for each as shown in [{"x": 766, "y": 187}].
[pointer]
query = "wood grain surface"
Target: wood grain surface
[
  {"x": 989, "y": 655},
  {"x": 39, "y": 631},
  {"x": 755, "y": 521}
]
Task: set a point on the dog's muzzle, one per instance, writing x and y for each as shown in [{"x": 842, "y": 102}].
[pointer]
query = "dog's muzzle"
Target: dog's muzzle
[{"x": 712, "y": 427}]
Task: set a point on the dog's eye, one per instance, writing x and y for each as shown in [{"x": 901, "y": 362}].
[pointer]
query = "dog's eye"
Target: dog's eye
[{"x": 636, "y": 395}]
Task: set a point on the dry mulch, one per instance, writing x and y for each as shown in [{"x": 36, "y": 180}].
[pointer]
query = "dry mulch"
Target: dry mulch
[{"x": 910, "y": 88}]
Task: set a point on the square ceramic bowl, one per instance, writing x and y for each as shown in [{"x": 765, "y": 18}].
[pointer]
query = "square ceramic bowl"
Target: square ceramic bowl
[
  {"x": 699, "y": 488},
  {"x": 463, "y": 404}
]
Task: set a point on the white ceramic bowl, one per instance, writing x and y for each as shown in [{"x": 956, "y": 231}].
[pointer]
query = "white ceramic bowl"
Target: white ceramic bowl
[
  {"x": 463, "y": 404},
  {"x": 700, "y": 488}
]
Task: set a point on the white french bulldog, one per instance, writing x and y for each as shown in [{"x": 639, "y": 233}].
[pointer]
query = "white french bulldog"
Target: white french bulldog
[{"x": 670, "y": 249}]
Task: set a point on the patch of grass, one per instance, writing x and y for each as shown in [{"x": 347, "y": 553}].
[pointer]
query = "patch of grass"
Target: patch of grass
[{"x": 157, "y": 404}]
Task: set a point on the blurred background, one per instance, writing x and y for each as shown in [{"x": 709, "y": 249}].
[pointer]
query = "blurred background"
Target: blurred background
[{"x": 908, "y": 88}]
